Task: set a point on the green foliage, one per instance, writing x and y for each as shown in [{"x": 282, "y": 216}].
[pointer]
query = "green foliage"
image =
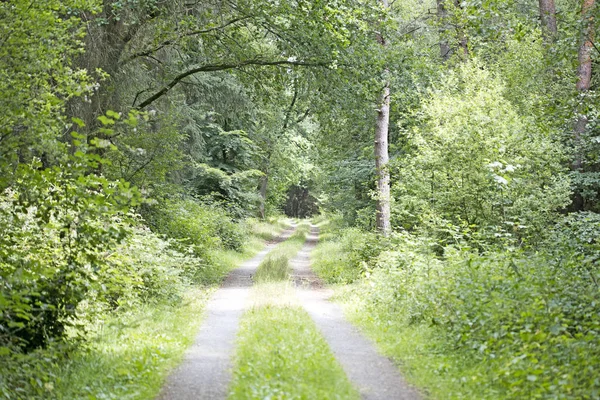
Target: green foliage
[
  {"x": 477, "y": 162},
  {"x": 267, "y": 230},
  {"x": 38, "y": 43},
  {"x": 200, "y": 224},
  {"x": 138, "y": 320},
  {"x": 147, "y": 153},
  {"x": 280, "y": 354},
  {"x": 128, "y": 355},
  {"x": 343, "y": 259},
  {"x": 144, "y": 269},
  {"x": 56, "y": 227},
  {"x": 579, "y": 233},
  {"x": 236, "y": 189}
]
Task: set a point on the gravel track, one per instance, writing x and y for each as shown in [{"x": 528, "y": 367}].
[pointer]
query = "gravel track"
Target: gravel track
[{"x": 205, "y": 371}]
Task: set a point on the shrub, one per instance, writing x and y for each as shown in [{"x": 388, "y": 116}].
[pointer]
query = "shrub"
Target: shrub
[
  {"x": 145, "y": 268},
  {"x": 532, "y": 317},
  {"x": 478, "y": 162},
  {"x": 343, "y": 260},
  {"x": 201, "y": 226},
  {"x": 56, "y": 228}
]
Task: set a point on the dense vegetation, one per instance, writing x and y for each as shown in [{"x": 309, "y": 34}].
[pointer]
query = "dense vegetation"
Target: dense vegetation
[
  {"x": 139, "y": 138},
  {"x": 490, "y": 275}
]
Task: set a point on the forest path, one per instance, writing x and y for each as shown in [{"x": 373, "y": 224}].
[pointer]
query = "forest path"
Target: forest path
[
  {"x": 375, "y": 376},
  {"x": 205, "y": 371}
]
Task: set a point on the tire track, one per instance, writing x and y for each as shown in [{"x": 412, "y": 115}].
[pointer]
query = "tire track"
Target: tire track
[
  {"x": 205, "y": 371},
  {"x": 375, "y": 376}
]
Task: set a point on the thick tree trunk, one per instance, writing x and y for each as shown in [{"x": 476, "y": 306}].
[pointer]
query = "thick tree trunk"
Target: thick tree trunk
[
  {"x": 584, "y": 81},
  {"x": 548, "y": 19},
  {"x": 382, "y": 157}
]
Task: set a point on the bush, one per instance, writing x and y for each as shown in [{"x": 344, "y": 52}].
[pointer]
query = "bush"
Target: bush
[
  {"x": 145, "y": 268},
  {"x": 344, "y": 260},
  {"x": 477, "y": 162},
  {"x": 201, "y": 226}
]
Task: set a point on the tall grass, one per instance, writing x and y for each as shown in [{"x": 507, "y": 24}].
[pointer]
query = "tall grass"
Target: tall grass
[{"x": 273, "y": 269}]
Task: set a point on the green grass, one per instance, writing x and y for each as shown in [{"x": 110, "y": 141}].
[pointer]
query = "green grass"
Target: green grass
[
  {"x": 293, "y": 244},
  {"x": 135, "y": 352},
  {"x": 281, "y": 355},
  {"x": 272, "y": 269},
  {"x": 223, "y": 261},
  {"x": 427, "y": 362},
  {"x": 269, "y": 229},
  {"x": 275, "y": 267},
  {"x": 127, "y": 359}
]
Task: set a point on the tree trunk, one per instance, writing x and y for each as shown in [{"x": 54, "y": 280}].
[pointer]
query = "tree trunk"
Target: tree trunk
[
  {"x": 584, "y": 80},
  {"x": 460, "y": 41},
  {"x": 264, "y": 184},
  {"x": 381, "y": 154},
  {"x": 442, "y": 14},
  {"x": 463, "y": 41},
  {"x": 381, "y": 163},
  {"x": 548, "y": 19}
]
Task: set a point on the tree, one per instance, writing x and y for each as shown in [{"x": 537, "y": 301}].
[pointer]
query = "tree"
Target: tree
[
  {"x": 548, "y": 19},
  {"x": 38, "y": 41},
  {"x": 584, "y": 81},
  {"x": 382, "y": 158},
  {"x": 442, "y": 15},
  {"x": 444, "y": 21}
]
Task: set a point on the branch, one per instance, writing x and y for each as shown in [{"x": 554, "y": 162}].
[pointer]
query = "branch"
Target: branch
[
  {"x": 291, "y": 107},
  {"x": 169, "y": 42},
  {"x": 595, "y": 47},
  {"x": 223, "y": 67},
  {"x": 303, "y": 116}
]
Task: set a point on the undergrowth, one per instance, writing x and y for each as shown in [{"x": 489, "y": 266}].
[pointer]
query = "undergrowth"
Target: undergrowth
[
  {"x": 131, "y": 333},
  {"x": 127, "y": 357},
  {"x": 495, "y": 324}
]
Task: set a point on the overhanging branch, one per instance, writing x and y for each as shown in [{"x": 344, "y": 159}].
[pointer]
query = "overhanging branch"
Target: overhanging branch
[{"x": 223, "y": 67}]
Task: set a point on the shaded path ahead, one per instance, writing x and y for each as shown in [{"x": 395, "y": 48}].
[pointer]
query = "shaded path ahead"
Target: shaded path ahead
[
  {"x": 376, "y": 377},
  {"x": 205, "y": 372}
]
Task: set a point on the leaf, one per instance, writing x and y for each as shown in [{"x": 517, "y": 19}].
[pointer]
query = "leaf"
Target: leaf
[
  {"x": 105, "y": 120},
  {"x": 113, "y": 114},
  {"x": 78, "y": 121}
]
